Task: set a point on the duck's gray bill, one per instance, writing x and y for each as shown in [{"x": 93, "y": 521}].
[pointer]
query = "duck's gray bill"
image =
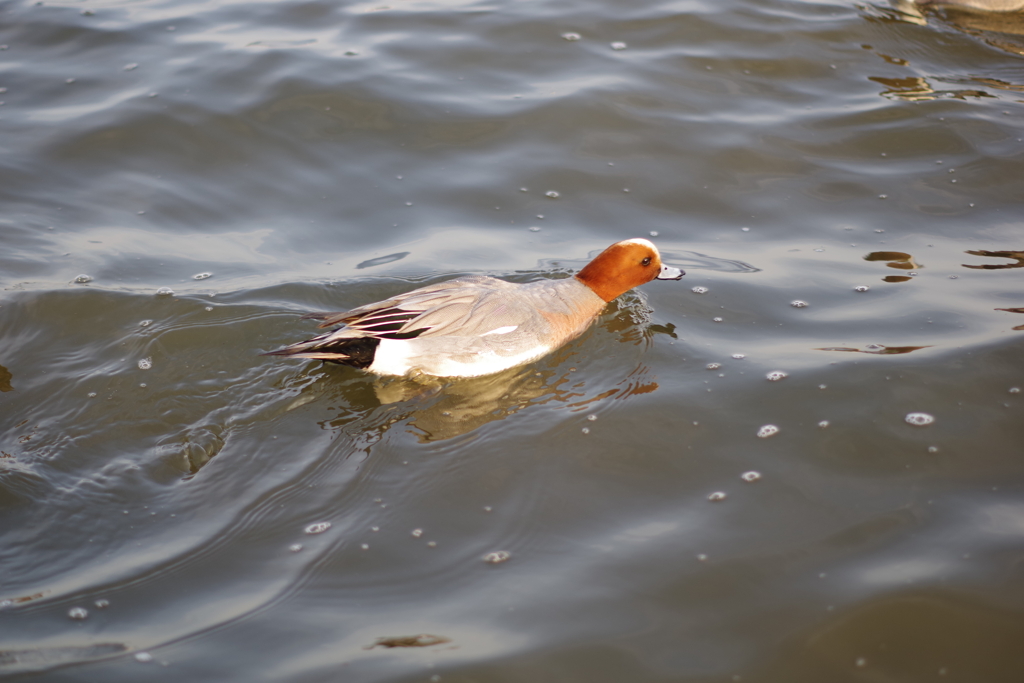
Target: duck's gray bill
[{"x": 670, "y": 273}]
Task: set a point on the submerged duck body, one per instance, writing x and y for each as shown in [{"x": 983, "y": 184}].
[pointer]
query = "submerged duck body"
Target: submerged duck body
[{"x": 478, "y": 325}]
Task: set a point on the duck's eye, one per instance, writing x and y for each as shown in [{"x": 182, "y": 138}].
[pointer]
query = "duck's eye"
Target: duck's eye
[{"x": 646, "y": 261}]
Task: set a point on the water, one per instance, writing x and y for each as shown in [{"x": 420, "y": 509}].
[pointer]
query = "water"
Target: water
[{"x": 181, "y": 181}]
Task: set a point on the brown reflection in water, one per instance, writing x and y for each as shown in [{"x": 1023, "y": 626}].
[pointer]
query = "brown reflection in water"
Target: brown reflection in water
[
  {"x": 1013, "y": 310},
  {"x": 5, "y": 379},
  {"x": 420, "y": 640},
  {"x": 877, "y": 349},
  {"x": 915, "y": 88},
  {"x": 895, "y": 259},
  {"x": 1017, "y": 256}
]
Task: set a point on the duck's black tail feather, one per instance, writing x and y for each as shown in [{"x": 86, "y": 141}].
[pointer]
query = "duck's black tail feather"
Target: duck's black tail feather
[{"x": 357, "y": 353}]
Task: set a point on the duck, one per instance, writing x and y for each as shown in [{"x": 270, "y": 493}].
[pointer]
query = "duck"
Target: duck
[{"x": 478, "y": 325}]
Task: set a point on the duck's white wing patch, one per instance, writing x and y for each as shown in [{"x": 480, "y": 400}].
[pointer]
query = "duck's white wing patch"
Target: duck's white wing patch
[{"x": 502, "y": 330}]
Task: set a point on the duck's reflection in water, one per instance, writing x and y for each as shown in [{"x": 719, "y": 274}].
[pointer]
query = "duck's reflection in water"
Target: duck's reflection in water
[{"x": 999, "y": 23}]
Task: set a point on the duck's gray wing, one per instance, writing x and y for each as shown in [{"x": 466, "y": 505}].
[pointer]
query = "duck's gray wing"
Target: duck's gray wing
[{"x": 470, "y": 306}]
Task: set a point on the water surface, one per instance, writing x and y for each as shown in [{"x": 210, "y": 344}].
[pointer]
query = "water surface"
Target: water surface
[{"x": 180, "y": 181}]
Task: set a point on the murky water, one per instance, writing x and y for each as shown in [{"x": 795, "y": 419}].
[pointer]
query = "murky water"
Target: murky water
[{"x": 843, "y": 184}]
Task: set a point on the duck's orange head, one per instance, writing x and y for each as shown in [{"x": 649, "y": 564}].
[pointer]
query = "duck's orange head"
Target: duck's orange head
[{"x": 623, "y": 266}]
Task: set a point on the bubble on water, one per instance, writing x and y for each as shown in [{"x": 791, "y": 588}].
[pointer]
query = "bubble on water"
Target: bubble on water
[
  {"x": 78, "y": 613},
  {"x": 145, "y": 364},
  {"x": 365, "y": 546},
  {"x": 861, "y": 662},
  {"x": 317, "y": 528},
  {"x": 145, "y": 323},
  {"x": 408, "y": 203},
  {"x": 823, "y": 424},
  {"x": 933, "y": 449},
  {"x": 797, "y": 303},
  {"x": 699, "y": 290},
  {"x": 208, "y": 308},
  {"x": 431, "y": 544},
  {"x": 375, "y": 529},
  {"x": 1014, "y": 390},
  {"x": 534, "y": 229},
  {"x": 487, "y": 508},
  {"x": 745, "y": 229},
  {"x": 295, "y": 547},
  {"x": 861, "y": 288},
  {"x": 739, "y": 356},
  {"x": 819, "y": 249},
  {"x": 766, "y": 431},
  {"x": 874, "y": 347},
  {"x": 776, "y": 375},
  {"x": 202, "y": 276},
  {"x": 497, "y": 557},
  {"x": 953, "y": 277},
  {"x": 716, "y": 496},
  {"x": 69, "y": 80},
  {"x": 585, "y": 430},
  {"x": 165, "y": 291},
  {"x": 552, "y": 194},
  {"x": 919, "y": 419},
  {"x": 83, "y": 278},
  {"x": 416, "y": 533},
  {"x": 750, "y": 476},
  {"x": 130, "y": 67},
  {"x": 143, "y": 657},
  {"x": 701, "y": 557},
  {"x": 717, "y": 320},
  {"x": 618, "y": 46},
  {"x": 912, "y": 274},
  {"x": 823, "y": 386},
  {"x": 571, "y": 37},
  {"x": 102, "y": 604},
  {"x": 591, "y": 417},
  {"x": 654, "y": 233},
  {"x": 713, "y": 366}
]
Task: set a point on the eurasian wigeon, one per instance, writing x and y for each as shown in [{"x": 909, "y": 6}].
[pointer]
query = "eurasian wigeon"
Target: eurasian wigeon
[{"x": 478, "y": 325}]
